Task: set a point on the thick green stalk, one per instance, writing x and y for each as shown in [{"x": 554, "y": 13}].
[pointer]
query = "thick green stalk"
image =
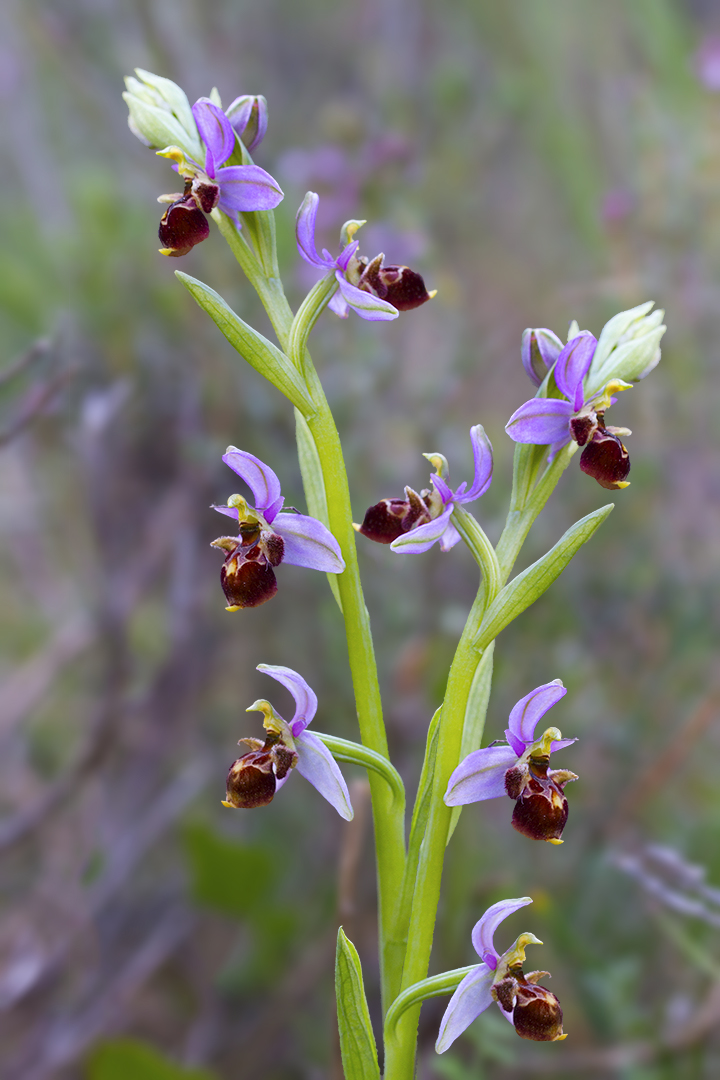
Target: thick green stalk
[
  {"x": 389, "y": 823},
  {"x": 400, "y": 1051}
]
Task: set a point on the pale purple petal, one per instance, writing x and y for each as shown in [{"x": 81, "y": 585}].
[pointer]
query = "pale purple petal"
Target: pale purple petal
[
  {"x": 337, "y": 304},
  {"x": 229, "y": 511},
  {"x": 484, "y": 929},
  {"x": 483, "y": 456},
  {"x": 527, "y": 712},
  {"x": 272, "y": 511},
  {"x": 560, "y": 744},
  {"x": 305, "y": 232},
  {"x": 470, "y": 999},
  {"x": 345, "y": 255},
  {"x": 247, "y": 187},
  {"x": 541, "y": 421},
  {"x": 316, "y": 764},
  {"x": 366, "y": 304},
  {"x": 216, "y": 132},
  {"x": 517, "y": 744},
  {"x": 258, "y": 476},
  {"x": 240, "y": 113},
  {"x": 308, "y": 543},
  {"x": 305, "y": 698},
  {"x": 572, "y": 366},
  {"x": 443, "y": 488},
  {"x": 421, "y": 539},
  {"x": 481, "y": 775},
  {"x": 449, "y": 538}
]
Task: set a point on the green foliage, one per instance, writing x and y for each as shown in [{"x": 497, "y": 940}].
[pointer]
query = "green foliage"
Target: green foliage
[
  {"x": 357, "y": 1042},
  {"x": 228, "y": 876},
  {"x": 129, "y": 1059}
]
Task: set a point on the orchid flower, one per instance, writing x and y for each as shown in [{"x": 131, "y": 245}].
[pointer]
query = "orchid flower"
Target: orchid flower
[
  {"x": 376, "y": 292},
  {"x": 533, "y": 1010},
  {"x": 266, "y": 537},
  {"x": 258, "y": 774},
  {"x": 521, "y": 770},
  {"x": 413, "y": 524},
  {"x": 557, "y": 421},
  {"x": 232, "y": 188}
]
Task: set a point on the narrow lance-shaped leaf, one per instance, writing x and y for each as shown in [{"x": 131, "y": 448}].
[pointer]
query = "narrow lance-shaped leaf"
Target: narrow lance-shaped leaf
[
  {"x": 525, "y": 589},
  {"x": 475, "y": 713},
  {"x": 260, "y": 353},
  {"x": 357, "y": 1042},
  {"x": 313, "y": 483}
]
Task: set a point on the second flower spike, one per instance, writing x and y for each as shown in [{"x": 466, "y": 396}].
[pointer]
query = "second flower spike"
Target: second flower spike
[{"x": 521, "y": 769}]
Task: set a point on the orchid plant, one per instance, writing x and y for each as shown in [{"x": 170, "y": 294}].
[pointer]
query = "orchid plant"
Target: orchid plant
[{"x": 575, "y": 384}]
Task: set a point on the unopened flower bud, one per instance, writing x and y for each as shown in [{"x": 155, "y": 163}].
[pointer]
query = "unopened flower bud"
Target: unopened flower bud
[
  {"x": 248, "y": 115},
  {"x": 540, "y": 349}
]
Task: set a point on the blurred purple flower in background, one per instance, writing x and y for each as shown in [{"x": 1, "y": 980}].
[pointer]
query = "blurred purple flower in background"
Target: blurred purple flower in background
[
  {"x": 267, "y": 537},
  {"x": 413, "y": 524},
  {"x": 533, "y": 1010},
  {"x": 521, "y": 770},
  {"x": 707, "y": 62},
  {"x": 256, "y": 776}
]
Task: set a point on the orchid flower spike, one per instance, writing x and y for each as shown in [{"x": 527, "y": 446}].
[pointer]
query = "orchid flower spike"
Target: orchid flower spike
[
  {"x": 533, "y": 1010},
  {"x": 413, "y": 524},
  {"x": 160, "y": 116},
  {"x": 258, "y": 774},
  {"x": 376, "y": 292},
  {"x": 521, "y": 770},
  {"x": 557, "y": 421},
  {"x": 266, "y": 537}
]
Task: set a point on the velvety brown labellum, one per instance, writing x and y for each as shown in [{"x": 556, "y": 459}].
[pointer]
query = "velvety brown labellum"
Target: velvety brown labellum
[
  {"x": 399, "y": 285},
  {"x": 182, "y": 227},
  {"x": 606, "y": 459},
  {"x": 390, "y": 518},
  {"x": 583, "y": 428},
  {"x": 206, "y": 194},
  {"x": 247, "y": 582},
  {"x": 541, "y": 808},
  {"x": 251, "y": 780},
  {"x": 537, "y": 1014}
]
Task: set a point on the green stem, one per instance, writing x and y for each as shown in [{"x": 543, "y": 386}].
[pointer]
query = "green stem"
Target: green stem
[
  {"x": 389, "y": 824},
  {"x": 436, "y": 986}
]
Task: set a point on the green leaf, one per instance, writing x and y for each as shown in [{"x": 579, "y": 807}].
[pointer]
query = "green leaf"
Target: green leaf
[
  {"x": 252, "y": 346},
  {"x": 313, "y": 484},
  {"x": 230, "y": 877},
  {"x": 129, "y": 1059},
  {"x": 357, "y": 1042},
  {"x": 525, "y": 589},
  {"x": 475, "y": 713}
]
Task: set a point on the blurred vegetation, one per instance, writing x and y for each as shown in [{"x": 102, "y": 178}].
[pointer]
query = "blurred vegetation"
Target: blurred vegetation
[{"x": 538, "y": 163}]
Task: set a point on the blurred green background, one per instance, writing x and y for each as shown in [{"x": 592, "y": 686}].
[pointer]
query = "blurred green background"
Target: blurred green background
[{"x": 537, "y": 162}]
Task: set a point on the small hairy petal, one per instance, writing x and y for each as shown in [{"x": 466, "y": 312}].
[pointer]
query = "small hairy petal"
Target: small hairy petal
[
  {"x": 572, "y": 366},
  {"x": 247, "y": 187},
  {"x": 483, "y": 457},
  {"x": 258, "y": 476},
  {"x": 316, "y": 764},
  {"x": 309, "y": 543},
  {"x": 525, "y": 715},
  {"x": 541, "y": 421},
  {"x": 305, "y": 231},
  {"x": 366, "y": 304},
  {"x": 423, "y": 537},
  {"x": 479, "y": 776},
  {"x": 470, "y": 999},
  {"x": 216, "y": 132},
  {"x": 484, "y": 930},
  {"x": 305, "y": 698}
]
